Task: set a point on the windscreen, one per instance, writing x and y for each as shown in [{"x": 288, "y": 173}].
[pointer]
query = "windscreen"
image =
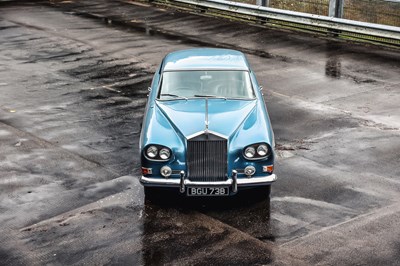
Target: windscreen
[{"x": 188, "y": 84}]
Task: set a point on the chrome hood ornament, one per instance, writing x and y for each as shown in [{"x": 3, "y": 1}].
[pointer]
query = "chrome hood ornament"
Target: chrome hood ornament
[{"x": 206, "y": 116}]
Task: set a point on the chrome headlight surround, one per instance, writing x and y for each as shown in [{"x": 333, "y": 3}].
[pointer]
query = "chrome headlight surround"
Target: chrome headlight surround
[
  {"x": 249, "y": 152},
  {"x": 152, "y": 151},
  {"x": 260, "y": 151},
  {"x": 157, "y": 153},
  {"x": 164, "y": 154}
]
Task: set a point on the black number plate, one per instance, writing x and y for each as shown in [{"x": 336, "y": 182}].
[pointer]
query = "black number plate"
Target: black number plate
[{"x": 207, "y": 191}]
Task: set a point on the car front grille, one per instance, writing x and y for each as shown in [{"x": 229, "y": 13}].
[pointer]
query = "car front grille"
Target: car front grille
[{"x": 207, "y": 158}]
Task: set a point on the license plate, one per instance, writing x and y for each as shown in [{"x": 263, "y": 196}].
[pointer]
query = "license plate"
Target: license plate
[{"x": 207, "y": 191}]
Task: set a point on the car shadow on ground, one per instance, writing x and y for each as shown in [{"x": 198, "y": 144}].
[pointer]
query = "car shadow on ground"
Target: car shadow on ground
[
  {"x": 176, "y": 226},
  {"x": 245, "y": 198}
]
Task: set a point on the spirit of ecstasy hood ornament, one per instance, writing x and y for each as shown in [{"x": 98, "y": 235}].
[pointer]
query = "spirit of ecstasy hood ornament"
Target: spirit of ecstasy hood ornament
[{"x": 206, "y": 114}]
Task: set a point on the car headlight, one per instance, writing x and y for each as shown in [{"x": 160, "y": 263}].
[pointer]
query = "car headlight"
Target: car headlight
[
  {"x": 152, "y": 151},
  {"x": 156, "y": 152},
  {"x": 262, "y": 150},
  {"x": 164, "y": 154},
  {"x": 249, "y": 152},
  {"x": 257, "y": 151}
]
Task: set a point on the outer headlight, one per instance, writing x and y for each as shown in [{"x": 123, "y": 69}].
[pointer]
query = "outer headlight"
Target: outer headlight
[
  {"x": 262, "y": 150},
  {"x": 152, "y": 151},
  {"x": 164, "y": 154},
  {"x": 249, "y": 152}
]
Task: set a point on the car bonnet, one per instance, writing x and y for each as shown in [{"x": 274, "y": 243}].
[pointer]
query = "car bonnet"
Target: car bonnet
[{"x": 223, "y": 116}]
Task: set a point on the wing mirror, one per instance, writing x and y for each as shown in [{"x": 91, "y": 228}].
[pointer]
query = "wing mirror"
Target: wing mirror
[{"x": 261, "y": 88}]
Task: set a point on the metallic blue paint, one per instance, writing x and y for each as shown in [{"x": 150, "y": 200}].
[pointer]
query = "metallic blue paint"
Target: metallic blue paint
[{"x": 169, "y": 123}]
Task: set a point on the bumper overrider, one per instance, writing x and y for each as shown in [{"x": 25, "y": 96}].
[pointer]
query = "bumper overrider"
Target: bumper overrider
[{"x": 234, "y": 182}]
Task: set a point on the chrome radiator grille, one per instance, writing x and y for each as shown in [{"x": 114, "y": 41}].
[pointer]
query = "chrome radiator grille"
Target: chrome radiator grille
[{"x": 207, "y": 159}]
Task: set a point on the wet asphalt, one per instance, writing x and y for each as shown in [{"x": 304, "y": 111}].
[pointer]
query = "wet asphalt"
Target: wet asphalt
[{"x": 73, "y": 85}]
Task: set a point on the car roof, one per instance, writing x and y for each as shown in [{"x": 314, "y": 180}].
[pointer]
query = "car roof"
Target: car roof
[{"x": 205, "y": 59}]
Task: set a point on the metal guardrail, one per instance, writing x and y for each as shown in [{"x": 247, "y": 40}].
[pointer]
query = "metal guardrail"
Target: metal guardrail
[
  {"x": 330, "y": 26},
  {"x": 385, "y": 12}
]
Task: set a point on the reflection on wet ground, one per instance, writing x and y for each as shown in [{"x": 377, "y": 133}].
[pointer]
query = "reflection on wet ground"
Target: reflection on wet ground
[
  {"x": 333, "y": 67},
  {"x": 172, "y": 235},
  {"x": 252, "y": 205}
]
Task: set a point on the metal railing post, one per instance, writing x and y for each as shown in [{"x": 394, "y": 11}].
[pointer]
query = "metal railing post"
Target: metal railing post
[
  {"x": 336, "y": 8},
  {"x": 262, "y": 3}
]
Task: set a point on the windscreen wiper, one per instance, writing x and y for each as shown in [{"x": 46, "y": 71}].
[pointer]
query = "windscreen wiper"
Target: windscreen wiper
[
  {"x": 209, "y": 96},
  {"x": 173, "y": 95}
]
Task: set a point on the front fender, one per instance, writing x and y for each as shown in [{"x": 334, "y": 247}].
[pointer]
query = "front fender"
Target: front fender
[{"x": 158, "y": 130}]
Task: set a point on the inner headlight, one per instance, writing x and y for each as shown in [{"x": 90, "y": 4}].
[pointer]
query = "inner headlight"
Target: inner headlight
[
  {"x": 262, "y": 150},
  {"x": 164, "y": 153},
  {"x": 249, "y": 152},
  {"x": 152, "y": 151}
]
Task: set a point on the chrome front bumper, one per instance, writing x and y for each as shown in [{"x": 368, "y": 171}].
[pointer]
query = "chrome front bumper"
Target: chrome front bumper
[{"x": 233, "y": 182}]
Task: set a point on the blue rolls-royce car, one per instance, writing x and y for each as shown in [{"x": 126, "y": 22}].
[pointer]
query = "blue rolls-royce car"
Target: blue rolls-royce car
[{"x": 206, "y": 130}]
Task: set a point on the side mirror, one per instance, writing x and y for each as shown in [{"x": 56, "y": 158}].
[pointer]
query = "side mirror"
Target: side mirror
[
  {"x": 261, "y": 88},
  {"x": 149, "y": 88}
]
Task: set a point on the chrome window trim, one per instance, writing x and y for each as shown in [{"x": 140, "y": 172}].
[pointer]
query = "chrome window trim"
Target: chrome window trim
[{"x": 206, "y": 69}]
